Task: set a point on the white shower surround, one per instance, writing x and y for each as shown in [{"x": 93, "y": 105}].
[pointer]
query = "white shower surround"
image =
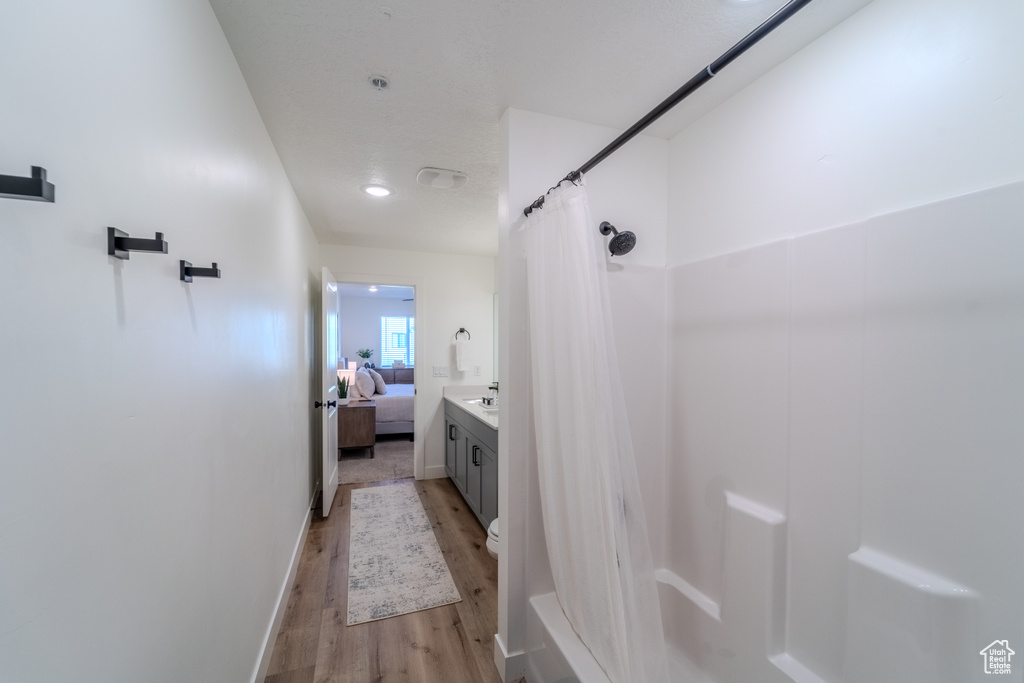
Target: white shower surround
[
  {"x": 836, "y": 396},
  {"x": 778, "y": 323}
]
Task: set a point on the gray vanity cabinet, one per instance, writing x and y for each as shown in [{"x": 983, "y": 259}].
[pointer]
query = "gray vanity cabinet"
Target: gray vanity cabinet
[
  {"x": 488, "y": 482},
  {"x": 473, "y": 485},
  {"x": 451, "y": 445},
  {"x": 455, "y": 461},
  {"x": 471, "y": 461}
]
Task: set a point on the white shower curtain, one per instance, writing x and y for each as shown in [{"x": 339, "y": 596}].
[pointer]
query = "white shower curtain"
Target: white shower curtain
[{"x": 594, "y": 521}]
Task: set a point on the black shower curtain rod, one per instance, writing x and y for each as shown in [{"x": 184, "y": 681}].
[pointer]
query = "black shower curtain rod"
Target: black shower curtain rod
[{"x": 705, "y": 75}]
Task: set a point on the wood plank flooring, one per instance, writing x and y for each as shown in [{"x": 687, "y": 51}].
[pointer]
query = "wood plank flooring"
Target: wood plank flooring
[{"x": 449, "y": 644}]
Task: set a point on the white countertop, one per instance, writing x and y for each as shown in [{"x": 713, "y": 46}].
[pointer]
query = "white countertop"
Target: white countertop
[{"x": 468, "y": 398}]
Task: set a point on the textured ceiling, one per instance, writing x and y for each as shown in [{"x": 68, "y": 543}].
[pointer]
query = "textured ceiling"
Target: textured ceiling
[{"x": 454, "y": 67}]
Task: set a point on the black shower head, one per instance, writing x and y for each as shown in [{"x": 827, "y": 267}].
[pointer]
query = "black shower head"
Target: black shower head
[{"x": 622, "y": 243}]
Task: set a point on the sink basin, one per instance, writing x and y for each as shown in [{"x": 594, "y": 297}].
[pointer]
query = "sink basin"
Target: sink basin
[{"x": 483, "y": 407}]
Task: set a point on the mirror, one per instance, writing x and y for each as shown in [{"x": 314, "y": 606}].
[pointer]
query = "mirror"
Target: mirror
[{"x": 494, "y": 373}]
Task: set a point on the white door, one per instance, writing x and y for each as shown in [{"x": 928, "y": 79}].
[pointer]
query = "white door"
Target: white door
[{"x": 329, "y": 385}]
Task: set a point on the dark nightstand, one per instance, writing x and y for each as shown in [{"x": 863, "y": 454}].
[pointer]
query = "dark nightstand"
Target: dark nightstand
[{"x": 357, "y": 425}]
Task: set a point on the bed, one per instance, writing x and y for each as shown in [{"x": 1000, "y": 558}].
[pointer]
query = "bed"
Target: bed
[{"x": 396, "y": 407}]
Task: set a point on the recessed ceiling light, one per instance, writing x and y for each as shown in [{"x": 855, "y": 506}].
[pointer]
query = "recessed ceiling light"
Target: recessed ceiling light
[{"x": 376, "y": 190}]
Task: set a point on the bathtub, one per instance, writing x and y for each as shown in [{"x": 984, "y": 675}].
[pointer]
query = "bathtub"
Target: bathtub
[
  {"x": 902, "y": 622},
  {"x": 556, "y": 654},
  {"x": 700, "y": 647}
]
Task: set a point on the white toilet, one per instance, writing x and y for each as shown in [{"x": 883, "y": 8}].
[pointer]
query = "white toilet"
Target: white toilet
[{"x": 492, "y": 538}]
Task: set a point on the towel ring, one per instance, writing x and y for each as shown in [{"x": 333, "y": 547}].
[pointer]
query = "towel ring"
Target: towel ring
[{"x": 461, "y": 330}]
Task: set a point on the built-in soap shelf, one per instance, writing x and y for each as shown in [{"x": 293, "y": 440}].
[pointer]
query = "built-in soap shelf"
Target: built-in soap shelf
[
  {"x": 742, "y": 632},
  {"x": 751, "y": 591},
  {"x": 669, "y": 578},
  {"x": 903, "y": 622}
]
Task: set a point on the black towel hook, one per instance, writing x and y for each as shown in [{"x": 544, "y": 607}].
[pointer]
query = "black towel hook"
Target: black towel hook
[
  {"x": 461, "y": 330},
  {"x": 35, "y": 188},
  {"x": 186, "y": 271},
  {"x": 120, "y": 244}
]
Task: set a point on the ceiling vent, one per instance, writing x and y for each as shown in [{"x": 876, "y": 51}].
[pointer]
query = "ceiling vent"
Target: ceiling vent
[{"x": 441, "y": 178}]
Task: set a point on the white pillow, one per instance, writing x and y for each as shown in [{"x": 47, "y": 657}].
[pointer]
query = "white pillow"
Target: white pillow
[
  {"x": 364, "y": 383},
  {"x": 353, "y": 388},
  {"x": 378, "y": 382}
]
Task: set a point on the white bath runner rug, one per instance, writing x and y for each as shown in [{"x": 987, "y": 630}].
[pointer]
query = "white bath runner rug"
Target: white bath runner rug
[{"x": 394, "y": 563}]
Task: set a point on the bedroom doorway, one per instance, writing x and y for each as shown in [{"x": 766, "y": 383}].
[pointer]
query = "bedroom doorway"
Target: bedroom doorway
[{"x": 377, "y": 354}]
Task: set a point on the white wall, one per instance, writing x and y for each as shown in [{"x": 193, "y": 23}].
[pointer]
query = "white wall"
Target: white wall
[
  {"x": 452, "y": 291},
  {"x": 628, "y": 190},
  {"x": 629, "y": 193},
  {"x": 862, "y": 382},
  {"x": 155, "y": 443},
  {"x": 359, "y": 323},
  {"x": 905, "y": 103}
]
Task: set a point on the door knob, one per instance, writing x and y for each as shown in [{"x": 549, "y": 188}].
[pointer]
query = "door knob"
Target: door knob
[
  {"x": 318, "y": 404},
  {"x": 332, "y": 404}
]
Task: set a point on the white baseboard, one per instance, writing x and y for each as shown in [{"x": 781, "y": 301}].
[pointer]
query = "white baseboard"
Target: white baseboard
[
  {"x": 270, "y": 638},
  {"x": 434, "y": 472},
  {"x": 511, "y": 667}
]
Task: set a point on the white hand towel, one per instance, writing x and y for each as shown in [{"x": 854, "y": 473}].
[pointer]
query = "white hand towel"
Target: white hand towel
[{"x": 462, "y": 359}]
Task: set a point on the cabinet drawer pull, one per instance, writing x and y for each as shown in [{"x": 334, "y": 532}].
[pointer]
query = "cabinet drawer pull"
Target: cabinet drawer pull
[
  {"x": 475, "y": 461},
  {"x": 451, "y": 435}
]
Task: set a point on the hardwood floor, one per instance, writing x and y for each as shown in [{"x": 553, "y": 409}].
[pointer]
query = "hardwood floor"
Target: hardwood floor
[{"x": 449, "y": 644}]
